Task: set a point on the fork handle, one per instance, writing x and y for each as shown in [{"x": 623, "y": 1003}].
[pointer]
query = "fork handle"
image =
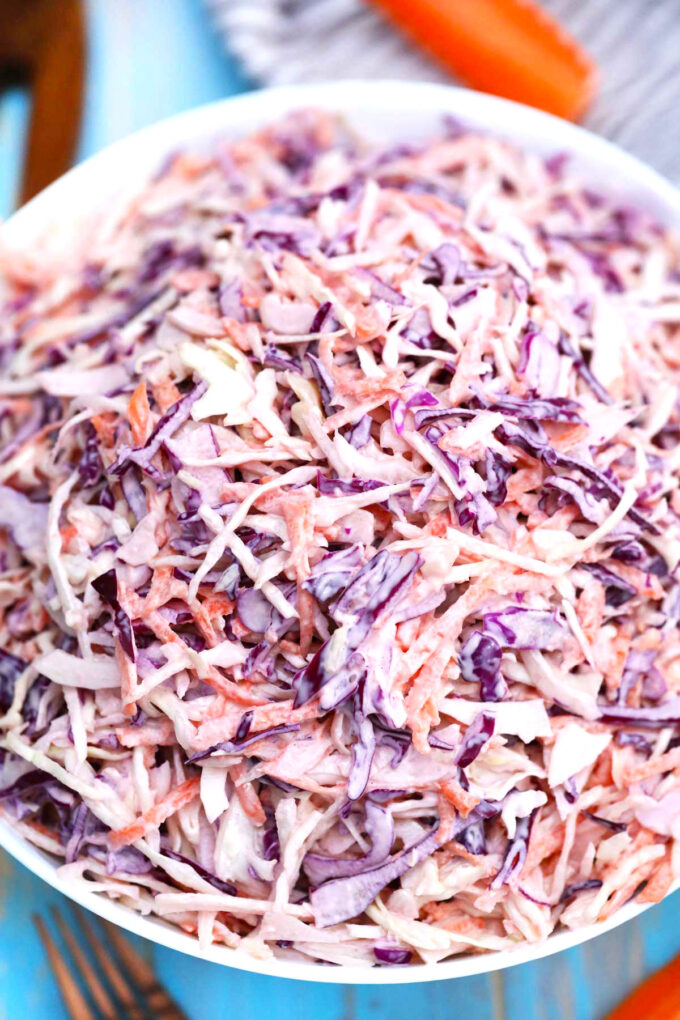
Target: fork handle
[{"x": 159, "y": 1003}]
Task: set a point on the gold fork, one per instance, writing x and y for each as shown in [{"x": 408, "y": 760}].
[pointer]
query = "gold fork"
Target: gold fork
[{"x": 124, "y": 985}]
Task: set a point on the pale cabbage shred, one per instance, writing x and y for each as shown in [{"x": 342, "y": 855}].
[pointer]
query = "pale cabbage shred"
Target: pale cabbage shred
[{"x": 534, "y": 283}]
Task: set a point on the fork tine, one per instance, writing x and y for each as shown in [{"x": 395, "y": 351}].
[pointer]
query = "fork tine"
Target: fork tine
[
  {"x": 99, "y": 994},
  {"x": 158, "y": 1001},
  {"x": 122, "y": 989},
  {"x": 74, "y": 1000}
]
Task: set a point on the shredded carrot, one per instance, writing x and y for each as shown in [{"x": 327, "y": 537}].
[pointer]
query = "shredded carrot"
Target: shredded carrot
[
  {"x": 154, "y": 733},
  {"x": 128, "y": 680},
  {"x": 105, "y": 427},
  {"x": 249, "y": 800},
  {"x": 462, "y": 800},
  {"x": 67, "y": 535},
  {"x": 654, "y": 767},
  {"x": 543, "y": 843},
  {"x": 159, "y": 813},
  {"x": 659, "y": 883},
  {"x": 139, "y": 415},
  {"x": 165, "y": 393},
  {"x": 450, "y": 917}
]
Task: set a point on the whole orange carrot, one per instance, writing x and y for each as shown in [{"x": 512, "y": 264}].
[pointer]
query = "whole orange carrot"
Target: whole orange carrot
[
  {"x": 509, "y": 47},
  {"x": 657, "y": 998}
]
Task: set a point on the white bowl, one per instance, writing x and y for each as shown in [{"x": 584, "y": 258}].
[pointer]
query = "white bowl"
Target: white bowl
[{"x": 386, "y": 110}]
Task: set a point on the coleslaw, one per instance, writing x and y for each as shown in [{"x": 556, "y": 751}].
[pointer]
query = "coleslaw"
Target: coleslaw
[{"x": 338, "y": 547}]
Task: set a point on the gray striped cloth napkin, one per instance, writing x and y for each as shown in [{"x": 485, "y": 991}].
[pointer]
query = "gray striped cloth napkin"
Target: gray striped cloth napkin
[{"x": 635, "y": 42}]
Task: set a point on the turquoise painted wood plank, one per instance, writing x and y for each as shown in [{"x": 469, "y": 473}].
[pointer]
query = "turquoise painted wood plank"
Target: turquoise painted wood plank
[
  {"x": 661, "y": 933},
  {"x": 262, "y": 998},
  {"x": 13, "y": 121},
  {"x": 583, "y": 984},
  {"x": 587, "y": 982},
  {"x": 148, "y": 60}
]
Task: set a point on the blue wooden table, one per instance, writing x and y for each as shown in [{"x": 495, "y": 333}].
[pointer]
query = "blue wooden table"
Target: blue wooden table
[{"x": 149, "y": 59}]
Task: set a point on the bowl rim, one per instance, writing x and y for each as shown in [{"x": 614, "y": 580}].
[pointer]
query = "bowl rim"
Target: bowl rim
[
  {"x": 169, "y": 936},
  {"x": 538, "y": 131}
]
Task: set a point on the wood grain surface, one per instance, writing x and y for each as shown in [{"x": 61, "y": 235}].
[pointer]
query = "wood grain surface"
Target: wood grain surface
[
  {"x": 582, "y": 984},
  {"x": 149, "y": 59}
]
